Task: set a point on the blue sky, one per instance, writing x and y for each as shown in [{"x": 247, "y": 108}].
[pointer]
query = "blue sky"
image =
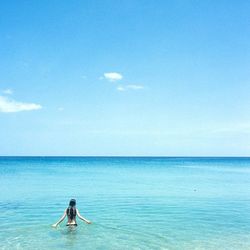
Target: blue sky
[{"x": 130, "y": 77}]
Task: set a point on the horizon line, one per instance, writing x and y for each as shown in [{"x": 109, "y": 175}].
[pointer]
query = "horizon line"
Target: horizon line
[{"x": 123, "y": 156}]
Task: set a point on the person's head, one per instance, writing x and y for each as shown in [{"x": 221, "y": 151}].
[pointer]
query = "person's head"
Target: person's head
[{"x": 72, "y": 203}]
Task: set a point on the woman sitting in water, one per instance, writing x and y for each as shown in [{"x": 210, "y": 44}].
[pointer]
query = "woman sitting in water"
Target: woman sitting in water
[{"x": 71, "y": 213}]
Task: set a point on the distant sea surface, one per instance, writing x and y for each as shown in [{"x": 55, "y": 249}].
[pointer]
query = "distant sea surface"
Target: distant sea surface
[{"x": 134, "y": 203}]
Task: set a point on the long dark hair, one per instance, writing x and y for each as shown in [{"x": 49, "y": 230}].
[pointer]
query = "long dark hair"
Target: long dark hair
[{"x": 71, "y": 210}]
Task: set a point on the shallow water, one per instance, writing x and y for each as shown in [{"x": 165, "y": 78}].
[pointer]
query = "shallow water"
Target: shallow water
[{"x": 134, "y": 203}]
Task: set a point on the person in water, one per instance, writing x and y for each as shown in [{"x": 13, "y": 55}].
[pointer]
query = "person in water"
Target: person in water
[{"x": 71, "y": 212}]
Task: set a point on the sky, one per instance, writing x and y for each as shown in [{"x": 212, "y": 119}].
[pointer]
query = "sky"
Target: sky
[{"x": 125, "y": 78}]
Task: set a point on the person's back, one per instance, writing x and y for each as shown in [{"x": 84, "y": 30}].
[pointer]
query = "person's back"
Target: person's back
[{"x": 71, "y": 212}]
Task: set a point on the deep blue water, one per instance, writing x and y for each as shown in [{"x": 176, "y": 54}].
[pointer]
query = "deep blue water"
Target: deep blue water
[{"x": 134, "y": 203}]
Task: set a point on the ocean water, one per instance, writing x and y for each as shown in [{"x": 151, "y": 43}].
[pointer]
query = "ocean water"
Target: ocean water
[{"x": 134, "y": 203}]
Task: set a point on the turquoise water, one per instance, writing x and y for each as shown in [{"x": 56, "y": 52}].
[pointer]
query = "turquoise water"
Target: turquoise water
[{"x": 134, "y": 203}]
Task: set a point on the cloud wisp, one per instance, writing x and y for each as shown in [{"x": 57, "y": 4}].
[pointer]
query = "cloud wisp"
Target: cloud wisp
[
  {"x": 134, "y": 87},
  {"x": 113, "y": 76},
  {"x": 8, "y": 105},
  {"x": 121, "y": 88},
  {"x": 117, "y": 77},
  {"x": 8, "y": 91},
  {"x": 60, "y": 109},
  {"x": 130, "y": 87}
]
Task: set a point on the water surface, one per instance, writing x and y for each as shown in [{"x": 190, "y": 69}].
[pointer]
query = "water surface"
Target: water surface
[{"x": 134, "y": 203}]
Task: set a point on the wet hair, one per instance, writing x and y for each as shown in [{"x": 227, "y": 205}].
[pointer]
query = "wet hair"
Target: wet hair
[
  {"x": 72, "y": 203},
  {"x": 71, "y": 210}
]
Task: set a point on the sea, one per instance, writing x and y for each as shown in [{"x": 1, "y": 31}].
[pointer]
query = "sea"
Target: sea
[{"x": 134, "y": 203}]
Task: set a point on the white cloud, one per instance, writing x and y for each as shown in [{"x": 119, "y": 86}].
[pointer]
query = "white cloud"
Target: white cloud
[
  {"x": 8, "y": 91},
  {"x": 135, "y": 87},
  {"x": 9, "y": 106},
  {"x": 113, "y": 76},
  {"x": 120, "y": 88},
  {"x": 130, "y": 87}
]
